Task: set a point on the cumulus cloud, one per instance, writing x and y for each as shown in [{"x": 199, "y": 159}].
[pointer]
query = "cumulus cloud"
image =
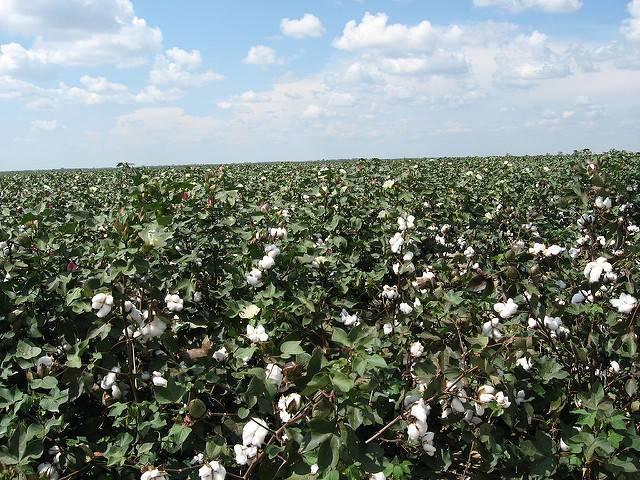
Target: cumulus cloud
[
  {"x": 21, "y": 62},
  {"x": 631, "y": 26},
  {"x": 307, "y": 26},
  {"x": 261, "y": 55},
  {"x": 550, "y": 6},
  {"x": 78, "y": 32},
  {"x": 46, "y": 125},
  {"x": 179, "y": 68},
  {"x": 159, "y": 124},
  {"x": 530, "y": 58},
  {"x": 374, "y": 32}
]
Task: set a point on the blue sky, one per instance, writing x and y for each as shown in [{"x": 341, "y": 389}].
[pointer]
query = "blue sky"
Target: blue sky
[{"x": 90, "y": 83}]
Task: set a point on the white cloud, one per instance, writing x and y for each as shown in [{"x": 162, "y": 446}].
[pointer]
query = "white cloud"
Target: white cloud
[
  {"x": 178, "y": 67},
  {"x": 152, "y": 94},
  {"x": 440, "y": 63},
  {"x": 374, "y": 32},
  {"x": 530, "y": 58},
  {"x": 19, "y": 61},
  {"x": 12, "y": 88},
  {"x": 631, "y": 26},
  {"x": 101, "y": 85},
  {"x": 313, "y": 111},
  {"x": 46, "y": 125},
  {"x": 81, "y": 32},
  {"x": 550, "y": 6},
  {"x": 261, "y": 55},
  {"x": 307, "y": 26},
  {"x": 165, "y": 124}
]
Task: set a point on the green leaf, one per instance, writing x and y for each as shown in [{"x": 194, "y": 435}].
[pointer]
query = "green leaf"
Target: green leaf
[
  {"x": 291, "y": 348},
  {"x": 342, "y": 382}
]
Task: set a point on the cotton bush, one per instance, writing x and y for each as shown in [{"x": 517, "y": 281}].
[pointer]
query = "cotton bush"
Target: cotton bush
[{"x": 356, "y": 320}]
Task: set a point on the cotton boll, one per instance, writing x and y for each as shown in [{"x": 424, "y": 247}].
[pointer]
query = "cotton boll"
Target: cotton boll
[
  {"x": 417, "y": 349},
  {"x": 348, "y": 319},
  {"x": 109, "y": 379},
  {"x": 525, "y": 363},
  {"x": 174, "y": 303},
  {"x": 406, "y": 308},
  {"x": 507, "y": 309},
  {"x": 244, "y": 454},
  {"x": 625, "y": 303},
  {"x": 486, "y": 394},
  {"x": 492, "y": 329},
  {"x": 257, "y": 334},
  {"x": 274, "y": 373},
  {"x": 266, "y": 263},
  {"x": 254, "y": 277},
  {"x": 220, "y": 355},
  {"x": 158, "y": 380},
  {"x": 387, "y": 328},
  {"x": 254, "y": 432},
  {"x": 396, "y": 242},
  {"x": 389, "y": 293}
]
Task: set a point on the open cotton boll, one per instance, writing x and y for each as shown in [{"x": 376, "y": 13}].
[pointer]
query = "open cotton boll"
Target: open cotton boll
[
  {"x": 614, "y": 367},
  {"x": 594, "y": 270},
  {"x": 212, "y": 471},
  {"x": 554, "y": 251},
  {"x": 416, "y": 349},
  {"x": 154, "y": 474},
  {"x": 580, "y": 297},
  {"x": 491, "y": 329},
  {"x": 220, "y": 355},
  {"x": 625, "y": 303},
  {"x": 174, "y": 303},
  {"x": 254, "y": 432},
  {"x": 502, "y": 400},
  {"x": 43, "y": 365},
  {"x": 378, "y": 476},
  {"x": 406, "y": 222},
  {"x": 158, "y": 380},
  {"x": 387, "y": 328},
  {"x": 389, "y": 293},
  {"x": 254, "y": 277},
  {"x": 420, "y": 410},
  {"x": 507, "y": 309},
  {"x": 110, "y": 379},
  {"x": 154, "y": 329},
  {"x": 348, "y": 319},
  {"x": 272, "y": 251},
  {"x": 396, "y": 242},
  {"x": 257, "y": 334},
  {"x": 266, "y": 263},
  {"x": 244, "y": 453},
  {"x": 525, "y": 363},
  {"x": 604, "y": 203},
  {"x": 274, "y": 373},
  {"x": 287, "y": 405},
  {"x": 103, "y": 303},
  {"x": 486, "y": 394},
  {"x": 406, "y": 308}
]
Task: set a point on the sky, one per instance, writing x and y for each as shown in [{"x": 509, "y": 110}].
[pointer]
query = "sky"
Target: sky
[{"x": 90, "y": 83}]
